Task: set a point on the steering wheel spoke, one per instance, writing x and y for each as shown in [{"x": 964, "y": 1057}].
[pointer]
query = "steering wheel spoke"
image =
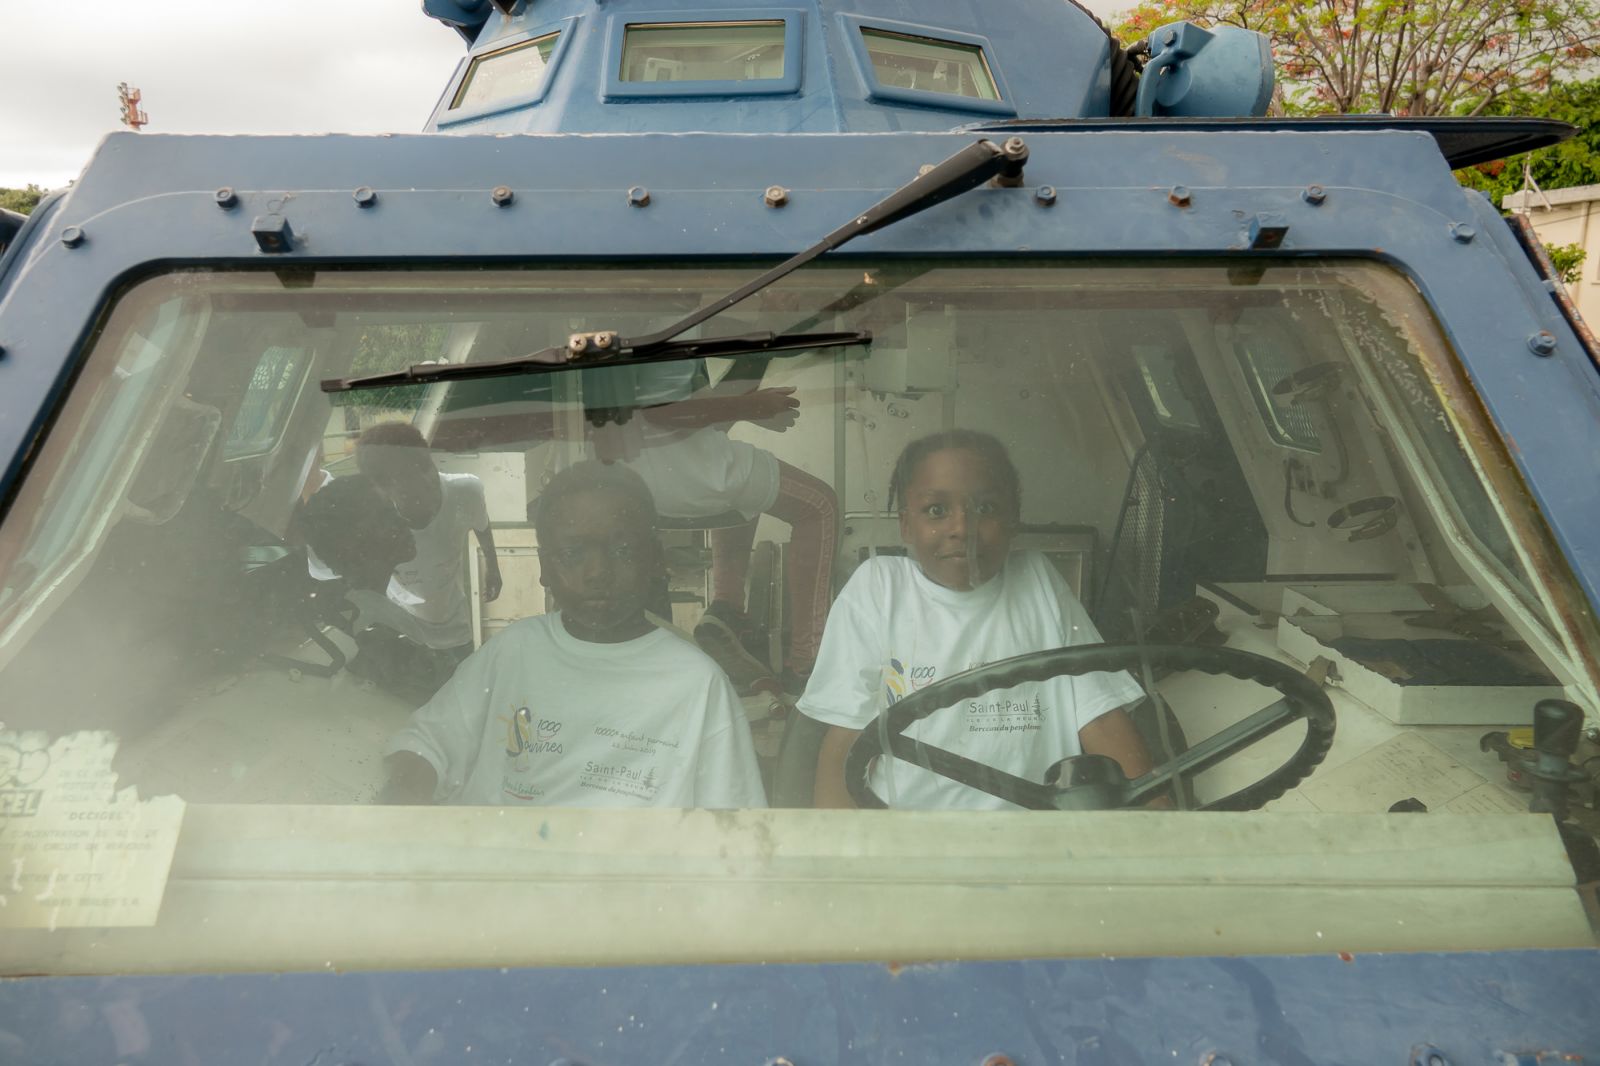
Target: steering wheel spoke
[{"x": 1302, "y": 699}]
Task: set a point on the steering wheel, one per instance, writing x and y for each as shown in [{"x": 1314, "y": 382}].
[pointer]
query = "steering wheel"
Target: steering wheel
[{"x": 1096, "y": 782}]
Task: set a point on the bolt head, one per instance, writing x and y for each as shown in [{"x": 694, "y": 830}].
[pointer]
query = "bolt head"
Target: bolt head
[
  {"x": 72, "y": 236},
  {"x": 501, "y": 195},
  {"x": 1045, "y": 196},
  {"x": 1542, "y": 343},
  {"x": 1179, "y": 196},
  {"x": 364, "y": 196},
  {"x": 1170, "y": 38},
  {"x": 1314, "y": 195},
  {"x": 639, "y": 196},
  {"x": 1462, "y": 232},
  {"x": 226, "y": 197},
  {"x": 775, "y": 196},
  {"x": 1014, "y": 146}
]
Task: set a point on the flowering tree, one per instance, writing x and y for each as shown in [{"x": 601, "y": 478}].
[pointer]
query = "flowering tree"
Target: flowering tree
[
  {"x": 1407, "y": 57},
  {"x": 1560, "y": 166}
]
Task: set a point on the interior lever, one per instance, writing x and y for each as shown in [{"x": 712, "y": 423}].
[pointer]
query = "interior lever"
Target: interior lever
[{"x": 1557, "y": 725}]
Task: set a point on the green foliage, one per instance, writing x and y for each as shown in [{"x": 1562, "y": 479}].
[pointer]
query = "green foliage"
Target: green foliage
[
  {"x": 22, "y": 201},
  {"x": 388, "y": 347},
  {"x": 1568, "y": 261},
  {"x": 1561, "y": 166},
  {"x": 1407, "y": 57}
]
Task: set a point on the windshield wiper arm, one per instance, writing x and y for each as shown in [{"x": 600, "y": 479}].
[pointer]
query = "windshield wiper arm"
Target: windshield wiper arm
[
  {"x": 967, "y": 169},
  {"x": 552, "y": 360}
]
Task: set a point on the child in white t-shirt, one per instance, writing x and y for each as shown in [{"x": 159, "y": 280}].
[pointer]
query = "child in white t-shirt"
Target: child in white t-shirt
[
  {"x": 958, "y": 600},
  {"x": 440, "y": 509},
  {"x": 593, "y": 705}
]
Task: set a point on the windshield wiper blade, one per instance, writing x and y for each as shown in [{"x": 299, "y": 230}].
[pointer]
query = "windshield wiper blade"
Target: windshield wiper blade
[
  {"x": 553, "y": 360},
  {"x": 967, "y": 169}
]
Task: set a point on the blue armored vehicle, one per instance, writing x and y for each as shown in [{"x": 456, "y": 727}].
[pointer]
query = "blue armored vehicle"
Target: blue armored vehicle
[{"x": 830, "y": 531}]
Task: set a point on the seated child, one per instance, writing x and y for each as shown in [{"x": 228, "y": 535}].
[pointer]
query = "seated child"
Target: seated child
[
  {"x": 356, "y": 536},
  {"x": 440, "y": 509},
  {"x": 680, "y": 445},
  {"x": 960, "y": 599},
  {"x": 592, "y": 705}
]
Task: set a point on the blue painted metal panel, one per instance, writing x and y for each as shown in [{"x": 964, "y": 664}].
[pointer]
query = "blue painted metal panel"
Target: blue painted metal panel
[
  {"x": 1307, "y": 1011},
  {"x": 149, "y": 200}
]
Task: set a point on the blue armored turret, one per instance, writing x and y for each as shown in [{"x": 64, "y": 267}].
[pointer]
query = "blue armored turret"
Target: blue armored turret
[{"x": 813, "y": 66}]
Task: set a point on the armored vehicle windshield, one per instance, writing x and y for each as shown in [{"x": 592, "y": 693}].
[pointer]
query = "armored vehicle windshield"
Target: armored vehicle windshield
[{"x": 1169, "y": 539}]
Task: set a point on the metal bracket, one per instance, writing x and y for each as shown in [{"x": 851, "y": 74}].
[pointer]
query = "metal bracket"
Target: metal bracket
[
  {"x": 272, "y": 233},
  {"x": 1266, "y": 231}
]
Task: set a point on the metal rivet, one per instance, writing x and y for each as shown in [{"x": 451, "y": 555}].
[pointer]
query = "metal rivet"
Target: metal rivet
[
  {"x": 639, "y": 196},
  {"x": 1215, "y": 1058},
  {"x": 364, "y": 196},
  {"x": 1045, "y": 196},
  {"x": 1314, "y": 195},
  {"x": 775, "y": 196},
  {"x": 226, "y": 197},
  {"x": 1542, "y": 343},
  {"x": 997, "y": 1058},
  {"x": 1179, "y": 196},
  {"x": 926, "y": 168},
  {"x": 1462, "y": 232},
  {"x": 501, "y": 195},
  {"x": 72, "y": 236}
]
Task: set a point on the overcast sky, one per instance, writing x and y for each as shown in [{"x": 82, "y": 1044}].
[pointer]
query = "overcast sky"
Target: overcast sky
[{"x": 216, "y": 66}]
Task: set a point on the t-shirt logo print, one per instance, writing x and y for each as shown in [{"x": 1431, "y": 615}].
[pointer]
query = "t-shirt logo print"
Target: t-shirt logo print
[
  {"x": 900, "y": 680},
  {"x": 525, "y": 734}
]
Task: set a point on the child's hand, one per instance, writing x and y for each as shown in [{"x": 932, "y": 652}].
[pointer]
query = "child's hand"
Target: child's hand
[{"x": 775, "y": 409}]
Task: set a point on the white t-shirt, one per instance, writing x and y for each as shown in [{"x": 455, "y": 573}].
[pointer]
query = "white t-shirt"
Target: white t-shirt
[
  {"x": 375, "y": 609},
  {"x": 435, "y": 578},
  {"x": 539, "y": 717},
  {"x": 692, "y": 473},
  {"x": 893, "y": 631}
]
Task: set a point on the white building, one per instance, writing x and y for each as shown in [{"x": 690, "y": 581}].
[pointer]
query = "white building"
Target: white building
[{"x": 1563, "y": 216}]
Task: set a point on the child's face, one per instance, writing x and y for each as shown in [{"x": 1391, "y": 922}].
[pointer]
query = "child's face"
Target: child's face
[
  {"x": 597, "y": 557},
  {"x": 957, "y": 522},
  {"x": 408, "y": 480}
]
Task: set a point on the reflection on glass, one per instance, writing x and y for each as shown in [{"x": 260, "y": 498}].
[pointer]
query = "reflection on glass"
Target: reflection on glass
[
  {"x": 703, "y": 51},
  {"x": 505, "y": 73},
  {"x": 903, "y": 61}
]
